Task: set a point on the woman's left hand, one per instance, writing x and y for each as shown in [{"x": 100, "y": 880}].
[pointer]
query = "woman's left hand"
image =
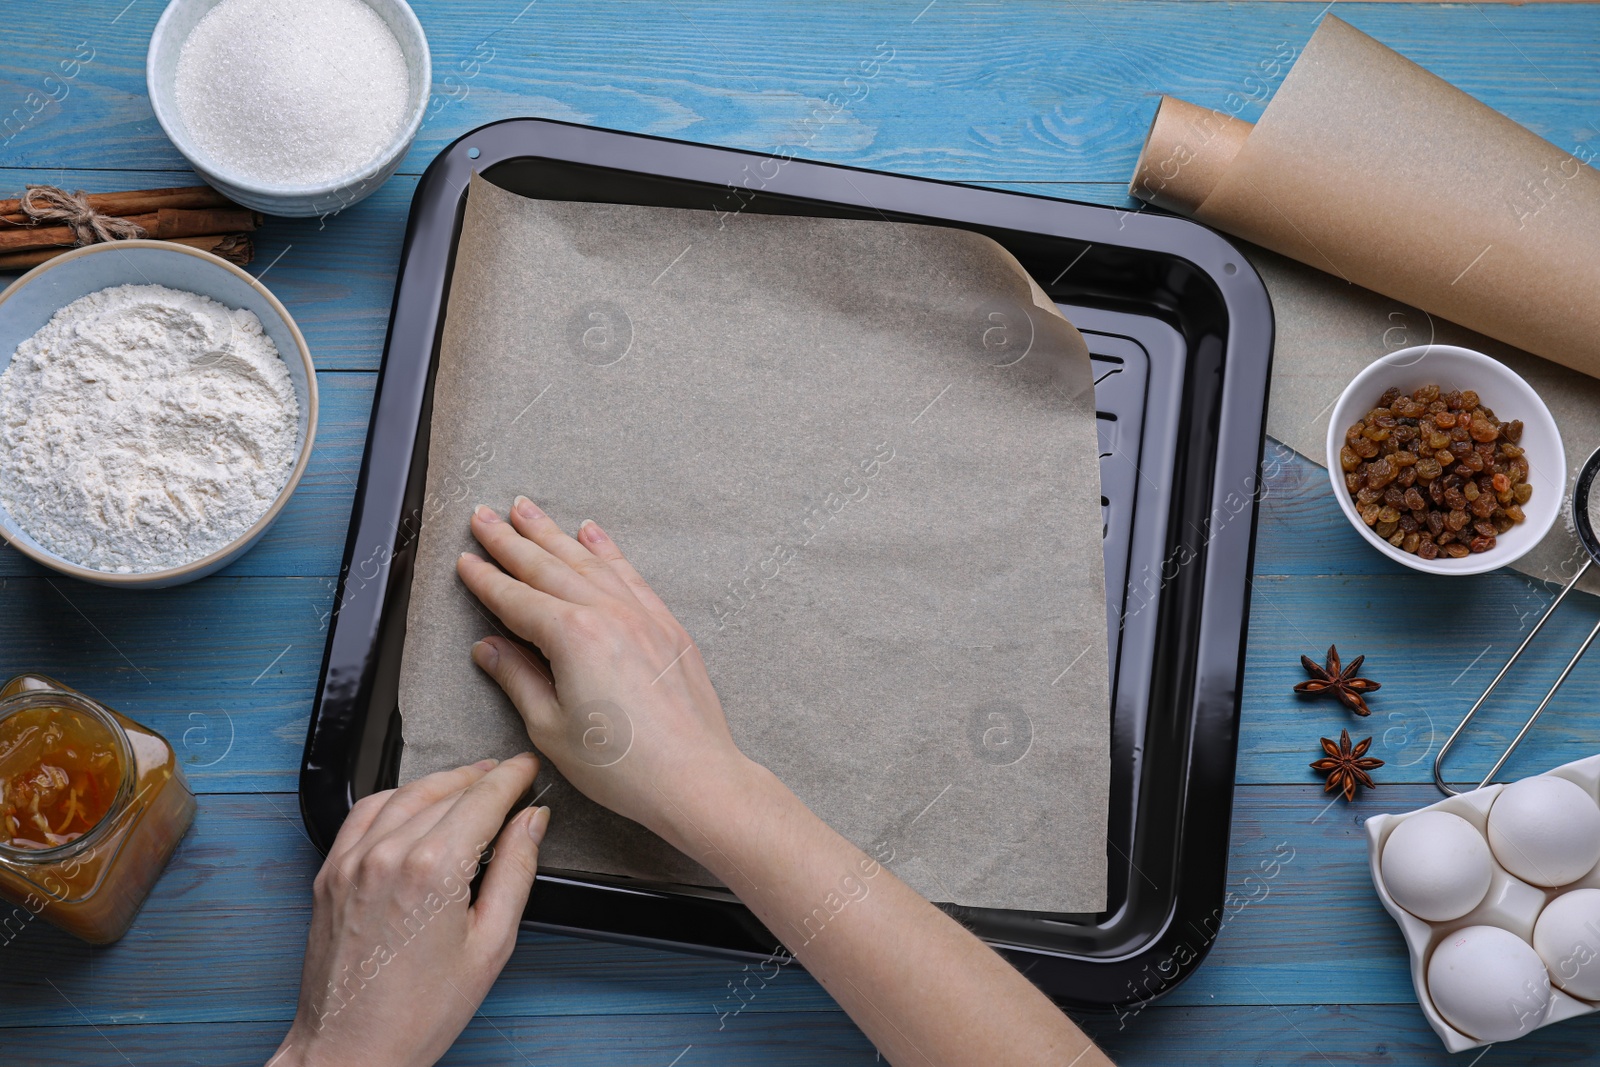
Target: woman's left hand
[{"x": 398, "y": 958}]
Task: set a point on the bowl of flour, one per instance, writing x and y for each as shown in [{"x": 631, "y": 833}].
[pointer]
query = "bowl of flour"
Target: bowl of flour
[
  {"x": 291, "y": 107},
  {"x": 157, "y": 409}
]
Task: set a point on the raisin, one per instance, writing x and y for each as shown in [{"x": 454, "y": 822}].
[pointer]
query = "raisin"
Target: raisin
[
  {"x": 1471, "y": 491},
  {"x": 1407, "y": 477},
  {"x": 1514, "y": 513},
  {"x": 1435, "y": 523},
  {"x": 1513, "y": 432},
  {"x": 1428, "y": 468},
  {"x": 1484, "y": 506},
  {"x": 1481, "y": 544},
  {"x": 1380, "y": 473},
  {"x": 1369, "y": 514},
  {"x": 1364, "y": 447},
  {"x": 1414, "y": 499},
  {"x": 1428, "y": 550},
  {"x": 1389, "y": 397},
  {"x": 1456, "y": 550},
  {"x": 1394, "y": 496},
  {"x": 1444, "y": 419},
  {"x": 1455, "y": 520},
  {"x": 1455, "y": 499},
  {"x": 1522, "y": 492},
  {"x": 1412, "y": 542},
  {"x": 1484, "y": 529}
]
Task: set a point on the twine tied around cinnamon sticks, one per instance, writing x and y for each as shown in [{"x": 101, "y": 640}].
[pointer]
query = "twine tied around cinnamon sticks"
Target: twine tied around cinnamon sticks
[
  {"x": 49, "y": 203},
  {"x": 47, "y": 221}
]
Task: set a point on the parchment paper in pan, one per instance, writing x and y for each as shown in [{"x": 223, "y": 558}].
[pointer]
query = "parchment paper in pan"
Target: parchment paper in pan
[
  {"x": 858, "y": 459},
  {"x": 1391, "y": 181}
]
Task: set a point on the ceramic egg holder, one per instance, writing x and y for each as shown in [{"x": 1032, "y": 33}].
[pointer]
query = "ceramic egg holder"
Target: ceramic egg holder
[{"x": 1510, "y": 904}]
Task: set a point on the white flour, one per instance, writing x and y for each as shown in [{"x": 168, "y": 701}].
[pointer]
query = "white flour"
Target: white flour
[{"x": 143, "y": 428}]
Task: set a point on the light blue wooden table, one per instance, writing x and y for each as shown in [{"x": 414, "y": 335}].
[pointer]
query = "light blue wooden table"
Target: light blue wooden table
[{"x": 1051, "y": 98}]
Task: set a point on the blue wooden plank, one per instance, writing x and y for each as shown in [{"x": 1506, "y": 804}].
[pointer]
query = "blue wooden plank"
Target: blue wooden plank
[
  {"x": 965, "y": 89},
  {"x": 797, "y": 1040},
  {"x": 221, "y": 937},
  {"x": 223, "y": 667},
  {"x": 1360, "y": 1034}
]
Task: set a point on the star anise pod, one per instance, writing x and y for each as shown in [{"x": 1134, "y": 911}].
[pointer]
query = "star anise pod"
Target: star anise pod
[
  {"x": 1345, "y": 766},
  {"x": 1341, "y": 683}
]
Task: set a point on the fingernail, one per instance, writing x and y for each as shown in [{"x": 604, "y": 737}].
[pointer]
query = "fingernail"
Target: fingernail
[
  {"x": 485, "y": 514},
  {"x": 487, "y": 764},
  {"x": 526, "y": 508},
  {"x": 472, "y": 555},
  {"x": 538, "y": 824},
  {"x": 591, "y": 529},
  {"x": 485, "y": 655}
]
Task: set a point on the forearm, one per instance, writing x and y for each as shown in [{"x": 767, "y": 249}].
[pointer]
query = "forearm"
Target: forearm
[{"x": 918, "y": 984}]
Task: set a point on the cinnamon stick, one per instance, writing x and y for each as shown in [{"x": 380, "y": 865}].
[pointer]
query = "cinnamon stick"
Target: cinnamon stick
[
  {"x": 236, "y": 248},
  {"x": 162, "y": 225},
  {"x": 136, "y": 202}
]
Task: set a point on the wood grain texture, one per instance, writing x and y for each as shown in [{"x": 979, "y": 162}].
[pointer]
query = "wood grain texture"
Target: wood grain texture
[
  {"x": 1035, "y": 96},
  {"x": 221, "y": 936},
  {"x": 976, "y": 89}
]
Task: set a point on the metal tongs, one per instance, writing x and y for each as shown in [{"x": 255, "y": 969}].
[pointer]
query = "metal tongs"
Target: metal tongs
[{"x": 1591, "y": 545}]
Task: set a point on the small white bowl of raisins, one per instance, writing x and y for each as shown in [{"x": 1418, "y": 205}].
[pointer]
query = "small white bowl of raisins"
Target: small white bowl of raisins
[{"x": 1445, "y": 460}]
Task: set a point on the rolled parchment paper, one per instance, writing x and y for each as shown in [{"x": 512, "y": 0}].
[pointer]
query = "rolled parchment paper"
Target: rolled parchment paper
[{"x": 1368, "y": 167}]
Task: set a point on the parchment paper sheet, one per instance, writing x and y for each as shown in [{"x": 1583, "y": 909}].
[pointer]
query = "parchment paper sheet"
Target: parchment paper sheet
[
  {"x": 1368, "y": 167},
  {"x": 860, "y": 464}
]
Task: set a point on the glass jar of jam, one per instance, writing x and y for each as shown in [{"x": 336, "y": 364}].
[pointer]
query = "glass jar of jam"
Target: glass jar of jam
[{"x": 91, "y": 807}]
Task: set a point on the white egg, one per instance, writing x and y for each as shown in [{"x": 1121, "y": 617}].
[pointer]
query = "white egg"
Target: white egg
[
  {"x": 1436, "y": 865},
  {"x": 1567, "y": 938},
  {"x": 1545, "y": 830},
  {"x": 1489, "y": 983}
]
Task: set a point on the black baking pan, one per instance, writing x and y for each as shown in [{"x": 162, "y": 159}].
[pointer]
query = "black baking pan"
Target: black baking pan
[{"x": 1181, "y": 332}]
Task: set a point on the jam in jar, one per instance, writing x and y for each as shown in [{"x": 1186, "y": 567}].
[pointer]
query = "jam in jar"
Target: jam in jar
[{"x": 91, "y": 807}]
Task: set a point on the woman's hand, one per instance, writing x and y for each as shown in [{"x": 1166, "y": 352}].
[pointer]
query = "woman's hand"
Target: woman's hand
[
  {"x": 398, "y": 959},
  {"x": 626, "y": 712}
]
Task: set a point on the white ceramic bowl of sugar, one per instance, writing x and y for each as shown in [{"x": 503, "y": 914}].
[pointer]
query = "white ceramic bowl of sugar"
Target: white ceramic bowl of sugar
[
  {"x": 264, "y": 194},
  {"x": 1503, "y": 391},
  {"x": 29, "y": 302}
]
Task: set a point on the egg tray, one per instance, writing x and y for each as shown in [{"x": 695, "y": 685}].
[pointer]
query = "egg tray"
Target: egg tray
[{"x": 1510, "y": 904}]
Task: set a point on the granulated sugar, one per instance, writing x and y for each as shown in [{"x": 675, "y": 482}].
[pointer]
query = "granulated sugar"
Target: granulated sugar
[
  {"x": 143, "y": 428},
  {"x": 292, "y": 92}
]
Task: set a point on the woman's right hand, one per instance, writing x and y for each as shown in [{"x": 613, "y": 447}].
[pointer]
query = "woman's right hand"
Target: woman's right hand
[{"x": 626, "y": 711}]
